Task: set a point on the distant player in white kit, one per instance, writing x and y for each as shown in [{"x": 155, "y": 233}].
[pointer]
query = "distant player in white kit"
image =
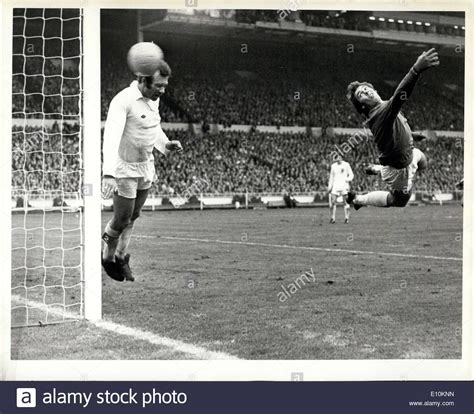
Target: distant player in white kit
[
  {"x": 132, "y": 131},
  {"x": 339, "y": 183}
]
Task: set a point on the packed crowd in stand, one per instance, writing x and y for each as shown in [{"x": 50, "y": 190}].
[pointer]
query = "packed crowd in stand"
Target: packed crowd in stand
[
  {"x": 233, "y": 88},
  {"x": 216, "y": 82},
  {"x": 234, "y": 161},
  {"x": 228, "y": 162},
  {"x": 46, "y": 69},
  {"x": 239, "y": 103},
  {"x": 46, "y": 160},
  {"x": 51, "y": 96}
]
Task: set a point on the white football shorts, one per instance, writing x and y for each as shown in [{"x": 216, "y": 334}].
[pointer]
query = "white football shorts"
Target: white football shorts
[
  {"x": 338, "y": 193},
  {"x": 401, "y": 180},
  {"x": 131, "y": 177}
]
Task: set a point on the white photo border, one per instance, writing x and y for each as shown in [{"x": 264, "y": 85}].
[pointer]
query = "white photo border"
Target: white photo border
[{"x": 238, "y": 370}]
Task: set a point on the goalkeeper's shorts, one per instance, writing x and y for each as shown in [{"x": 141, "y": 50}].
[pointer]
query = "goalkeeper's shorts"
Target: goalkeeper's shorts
[{"x": 402, "y": 179}]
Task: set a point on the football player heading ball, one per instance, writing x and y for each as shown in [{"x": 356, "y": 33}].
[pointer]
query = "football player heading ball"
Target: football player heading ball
[{"x": 132, "y": 131}]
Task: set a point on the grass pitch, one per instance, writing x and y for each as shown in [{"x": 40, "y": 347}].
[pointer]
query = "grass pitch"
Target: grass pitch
[{"x": 388, "y": 285}]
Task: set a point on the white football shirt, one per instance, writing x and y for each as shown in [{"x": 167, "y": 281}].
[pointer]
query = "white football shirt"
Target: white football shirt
[
  {"x": 132, "y": 130},
  {"x": 339, "y": 177}
]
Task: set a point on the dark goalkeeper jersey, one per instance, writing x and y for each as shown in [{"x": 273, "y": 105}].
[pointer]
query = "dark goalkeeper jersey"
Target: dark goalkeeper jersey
[{"x": 390, "y": 129}]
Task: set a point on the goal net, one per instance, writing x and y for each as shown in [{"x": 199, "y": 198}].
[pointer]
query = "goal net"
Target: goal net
[{"x": 47, "y": 167}]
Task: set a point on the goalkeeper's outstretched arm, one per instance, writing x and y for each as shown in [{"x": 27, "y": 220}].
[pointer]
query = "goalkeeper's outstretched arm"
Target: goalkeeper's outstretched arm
[{"x": 404, "y": 90}]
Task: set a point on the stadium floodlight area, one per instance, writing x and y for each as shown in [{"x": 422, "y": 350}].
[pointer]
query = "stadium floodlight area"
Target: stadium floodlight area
[{"x": 48, "y": 281}]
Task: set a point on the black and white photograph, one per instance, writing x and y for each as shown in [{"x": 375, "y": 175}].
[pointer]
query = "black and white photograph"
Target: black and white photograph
[{"x": 260, "y": 184}]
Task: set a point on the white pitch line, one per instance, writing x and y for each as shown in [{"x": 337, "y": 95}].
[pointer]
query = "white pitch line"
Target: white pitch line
[
  {"x": 138, "y": 334},
  {"x": 318, "y": 249}
]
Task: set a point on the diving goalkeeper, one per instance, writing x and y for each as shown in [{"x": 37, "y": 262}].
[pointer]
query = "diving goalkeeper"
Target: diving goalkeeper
[{"x": 399, "y": 160}]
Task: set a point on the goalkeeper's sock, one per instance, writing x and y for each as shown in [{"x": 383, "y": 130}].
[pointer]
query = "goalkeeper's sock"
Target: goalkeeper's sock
[
  {"x": 124, "y": 240},
  {"x": 111, "y": 239},
  {"x": 374, "y": 198}
]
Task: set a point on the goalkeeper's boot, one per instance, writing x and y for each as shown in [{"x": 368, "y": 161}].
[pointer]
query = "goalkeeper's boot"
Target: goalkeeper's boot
[
  {"x": 124, "y": 267},
  {"x": 350, "y": 200},
  {"x": 112, "y": 270}
]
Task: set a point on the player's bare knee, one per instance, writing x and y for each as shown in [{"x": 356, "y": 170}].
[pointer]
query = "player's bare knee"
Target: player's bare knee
[{"x": 119, "y": 222}]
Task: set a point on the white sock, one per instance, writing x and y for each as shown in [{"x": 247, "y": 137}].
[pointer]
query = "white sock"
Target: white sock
[
  {"x": 124, "y": 240},
  {"x": 374, "y": 198},
  {"x": 346, "y": 211}
]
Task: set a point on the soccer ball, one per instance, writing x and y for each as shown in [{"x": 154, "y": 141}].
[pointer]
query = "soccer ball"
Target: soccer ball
[{"x": 143, "y": 58}]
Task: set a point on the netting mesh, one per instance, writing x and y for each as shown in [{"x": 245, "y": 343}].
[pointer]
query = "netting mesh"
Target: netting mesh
[{"x": 47, "y": 166}]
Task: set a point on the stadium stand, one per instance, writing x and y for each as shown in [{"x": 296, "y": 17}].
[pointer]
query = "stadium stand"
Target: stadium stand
[
  {"x": 215, "y": 82},
  {"x": 231, "y": 161},
  {"x": 278, "y": 162},
  {"x": 352, "y": 20},
  {"x": 45, "y": 159}
]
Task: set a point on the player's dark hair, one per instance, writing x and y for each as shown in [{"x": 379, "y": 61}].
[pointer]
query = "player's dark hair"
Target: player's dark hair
[
  {"x": 359, "y": 106},
  {"x": 163, "y": 69}
]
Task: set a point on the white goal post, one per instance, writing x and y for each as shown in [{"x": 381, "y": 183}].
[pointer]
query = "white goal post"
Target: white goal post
[
  {"x": 55, "y": 166},
  {"x": 92, "y": 162}
]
